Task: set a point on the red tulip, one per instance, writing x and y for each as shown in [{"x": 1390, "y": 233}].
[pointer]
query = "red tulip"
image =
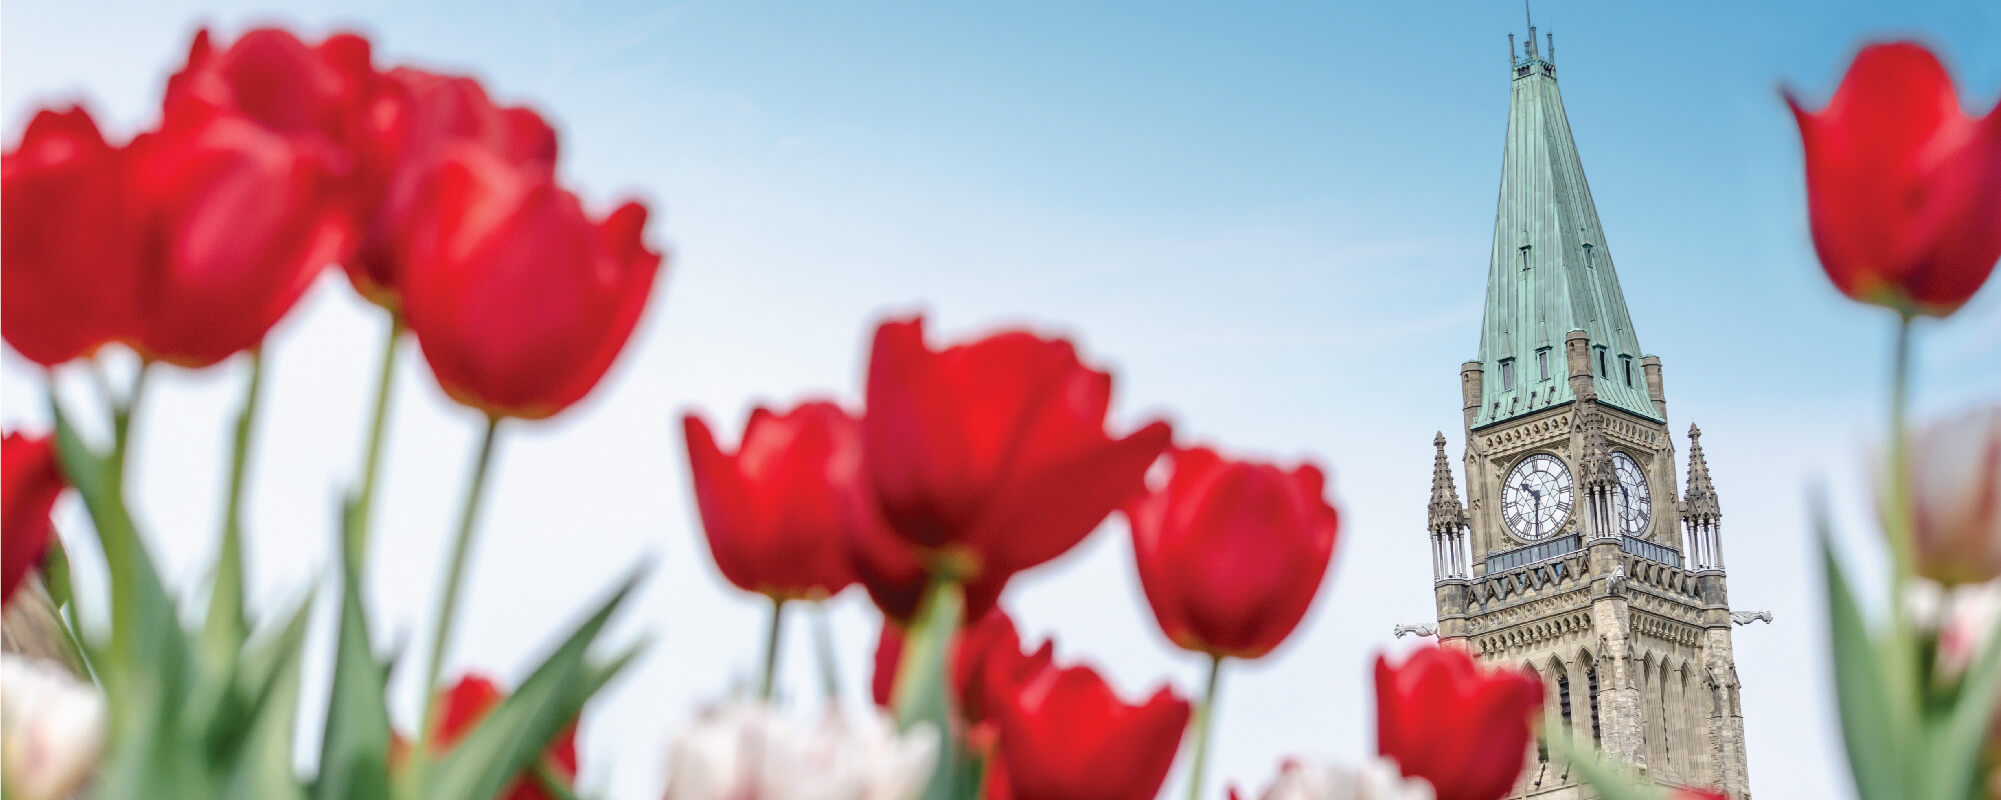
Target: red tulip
[
  {"x": 67, "y": 258},
  {"x": 1230, "y": 553},
  {"x": 776, "y": 511},
  {"x": 991, "y": 457},
  {"x": 30, "y": 481},
  {"x": 1903, "y": 187},
  {"x": 987, "y": 669},
  {"x": 460, "y": 709},
  {"x": 316, "y": 95},
  {"x": 1446, "y": 720},
  {"x": 1067, "y": 734},
  {"x": 415, "y": 118},
  {"x": 235, "y": 225},
  {"x": 518, "y": 300},
  {"x": 892, "y": 571}
]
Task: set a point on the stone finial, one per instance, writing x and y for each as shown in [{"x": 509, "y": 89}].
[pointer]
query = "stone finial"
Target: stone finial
[
  {"x": 1700, "y": 503},
  {"x": 1446, "y": 515},
  {"x": 1594, "y": 455}
]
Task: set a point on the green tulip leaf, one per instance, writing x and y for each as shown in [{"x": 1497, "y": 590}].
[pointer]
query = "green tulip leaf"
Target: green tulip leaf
[
  {"x": 146, "y": 667},
  {"x": 597, "y": 675},
  {"x": 354, "y": 752},
  {"x": 1875, "y": 755},
  {"x": 1960, "y": 737},
  {"x": 55, "y": 573},
  {"x": 1614, "y": 781},
  {"x": 269, "y": 678},
  {"x": 256, "y": 674},
  {"x": 512, "y": 737}
]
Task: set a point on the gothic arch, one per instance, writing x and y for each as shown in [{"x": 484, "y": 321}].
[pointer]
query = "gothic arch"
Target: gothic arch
[
  {"x": 1593, "y": 684},
  {"x": 1697, "y": 721}
]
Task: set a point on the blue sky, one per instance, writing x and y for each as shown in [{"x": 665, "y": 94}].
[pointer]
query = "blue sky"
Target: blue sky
[{"x": 1272, "y": 220}]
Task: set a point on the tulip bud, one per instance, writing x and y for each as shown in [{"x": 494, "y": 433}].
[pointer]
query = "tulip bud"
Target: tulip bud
[
  {"x": 1231, "y": 553},
  {"x": 1464, "y": 727},
  {"x": 51, "y": 729},
  {"x": 1903, "y": 186},
  {"x": 1955, "y": 485}
]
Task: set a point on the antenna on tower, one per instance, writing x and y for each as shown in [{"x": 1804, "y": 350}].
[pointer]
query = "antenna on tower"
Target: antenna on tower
[
  {"x": 1530, "y": 14},
  {"x": 1511, "y": 49},
  {"x": 1552, "y": 46}
]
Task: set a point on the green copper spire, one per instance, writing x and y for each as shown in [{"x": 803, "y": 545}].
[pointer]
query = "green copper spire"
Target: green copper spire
[{"x": 1551, "y": 271}]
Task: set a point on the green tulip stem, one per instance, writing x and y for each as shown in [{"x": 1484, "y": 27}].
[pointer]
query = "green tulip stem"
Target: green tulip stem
[
  {"x": 227, "y": 601},
  {"x": 385, "y": 379},
  {"x": 771, "y": 650},
  {"x": 823, "y": 648},
  {"x": 441, "y": 633},
  {"x": 1203, "y": 715},
  {"x": 121, "y": 424},
  {"x": 1905, "y": 676}
]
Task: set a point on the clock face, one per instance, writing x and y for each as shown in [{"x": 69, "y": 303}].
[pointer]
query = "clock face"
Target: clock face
[
  {"x": 1631, "y": 502},
  {"x": 1537, "y": 497}
]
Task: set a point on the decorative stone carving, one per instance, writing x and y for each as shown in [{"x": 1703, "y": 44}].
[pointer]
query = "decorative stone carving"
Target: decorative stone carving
[
  {"x": 1748, "y": 617},
  {"x": 1420, "y": 629}
]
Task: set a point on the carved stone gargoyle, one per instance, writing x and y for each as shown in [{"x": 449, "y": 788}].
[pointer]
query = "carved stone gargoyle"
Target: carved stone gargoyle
[{"x": 1418, "y": 628}]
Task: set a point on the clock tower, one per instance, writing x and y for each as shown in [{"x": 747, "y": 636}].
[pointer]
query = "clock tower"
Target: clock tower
[{"x": 1576, "y": 553}]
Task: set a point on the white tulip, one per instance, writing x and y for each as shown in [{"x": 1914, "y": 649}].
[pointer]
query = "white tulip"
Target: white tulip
[
  {"x": 747, "y": 751},
  {"x": 1377, "y": 779},
  {"x": 51, "y": 728}
]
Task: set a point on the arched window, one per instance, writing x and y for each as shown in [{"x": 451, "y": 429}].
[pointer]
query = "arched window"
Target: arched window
[
  {"x": 1563, "y": 697},
  {"x": 1541, "y": 745},
  {"x": 1667, "y": 735},
  {"x": 1591, "y": 677}
]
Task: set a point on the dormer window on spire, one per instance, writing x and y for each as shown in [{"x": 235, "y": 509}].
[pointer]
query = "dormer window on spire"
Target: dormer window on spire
[{"x": 1507, "y": 374}]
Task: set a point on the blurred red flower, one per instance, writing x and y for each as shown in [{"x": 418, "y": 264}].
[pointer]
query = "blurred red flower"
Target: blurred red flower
[
  {"x": 893, "y": 572},
  {"x": 460, "y": 709},
  {"x": 1903, "y": 187},
  {"x": 315, "y": 95},
  {"x": 67, "y": 258},
  {"x": 987, "y": 669},
  {"x": 234, "y": 226},
  {"x": 1446, "y": 720},
  {"x": 776, "y": 511},
  {"x": 414, "y": 118},
  {"x": 1231, "y": 553},
  {"x": 991, "y": 457},
  {"x": 30, "y": 482},
  {"x": 1067, "y": 734},
  {"x": 519, "y": 301}
]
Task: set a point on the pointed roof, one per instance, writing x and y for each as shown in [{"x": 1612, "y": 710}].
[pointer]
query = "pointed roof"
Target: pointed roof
[
  {"x": 1550, "y": 271},
  {"x": 1445, "y": 511},
  {"x": 1701, "y": 497}
]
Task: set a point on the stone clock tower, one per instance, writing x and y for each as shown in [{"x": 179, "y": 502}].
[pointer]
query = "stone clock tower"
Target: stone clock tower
[{"x": 1576, "y": 553}]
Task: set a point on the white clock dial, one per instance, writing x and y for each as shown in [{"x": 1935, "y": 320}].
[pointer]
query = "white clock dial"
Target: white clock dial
[
  {"x": 1631, "y": 502},
  {"x": 1537, "y": 497}
]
